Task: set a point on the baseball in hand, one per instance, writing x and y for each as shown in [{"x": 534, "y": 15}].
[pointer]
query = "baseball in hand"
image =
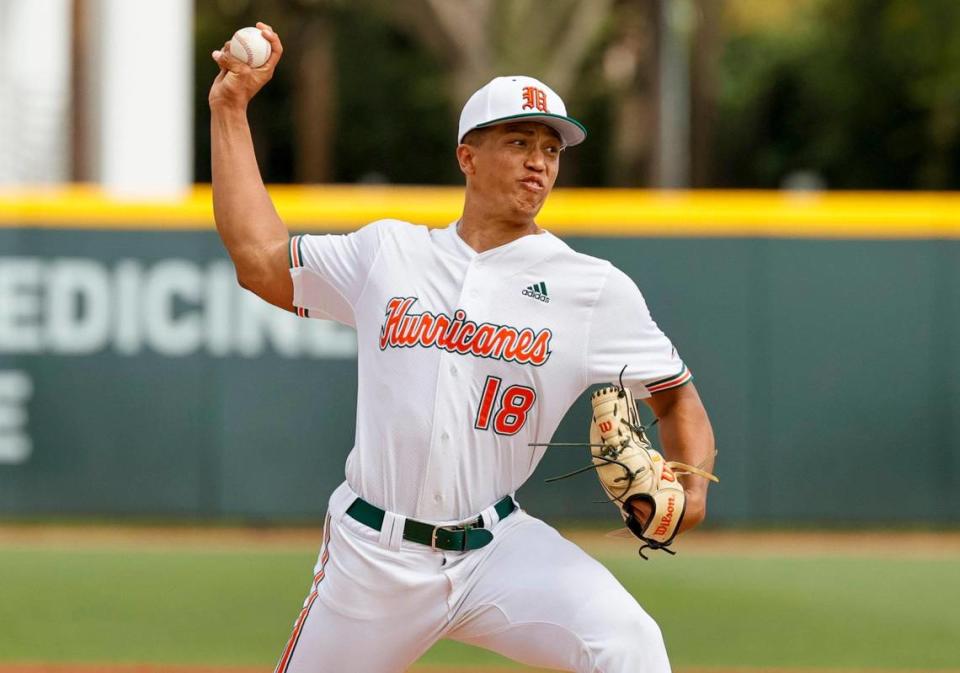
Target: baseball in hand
[{"x": 250, "y": 46}]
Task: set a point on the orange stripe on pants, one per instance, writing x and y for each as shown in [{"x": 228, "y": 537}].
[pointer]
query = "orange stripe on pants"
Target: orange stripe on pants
[{"x": 298, "y": 627}]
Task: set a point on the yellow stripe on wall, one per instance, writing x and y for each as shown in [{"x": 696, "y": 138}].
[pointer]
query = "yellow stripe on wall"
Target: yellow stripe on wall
[{"x": 592, "y": 212}]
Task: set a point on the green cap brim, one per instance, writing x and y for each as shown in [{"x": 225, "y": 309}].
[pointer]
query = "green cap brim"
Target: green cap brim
[{"x": 571, "y": 131}]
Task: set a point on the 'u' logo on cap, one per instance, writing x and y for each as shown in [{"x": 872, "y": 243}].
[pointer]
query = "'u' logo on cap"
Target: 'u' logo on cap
[{"x": 534, "y": 99}]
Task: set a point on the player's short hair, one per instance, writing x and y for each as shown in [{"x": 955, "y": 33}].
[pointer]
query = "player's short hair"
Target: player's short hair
[{"x": 476, "y": 136}]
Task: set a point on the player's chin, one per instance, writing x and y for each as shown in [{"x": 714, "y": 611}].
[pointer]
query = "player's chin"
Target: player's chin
[{"x": 530, "y": 204}]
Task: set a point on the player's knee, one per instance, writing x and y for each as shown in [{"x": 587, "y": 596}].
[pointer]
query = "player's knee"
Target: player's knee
[{"x": 634, "y": 644}]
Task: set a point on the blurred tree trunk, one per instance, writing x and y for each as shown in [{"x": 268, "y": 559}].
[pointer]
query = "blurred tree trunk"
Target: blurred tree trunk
[
  {"x": 630, "y": 68},
  {"x": 315, "y": 100},
  {"x": 456, "y": 32},
  {"x": 308, "y": 32},
  {"x": 485, "y": 38},
  {"x": 80, "y": 86},
  {"x": 707, "y": 46}
]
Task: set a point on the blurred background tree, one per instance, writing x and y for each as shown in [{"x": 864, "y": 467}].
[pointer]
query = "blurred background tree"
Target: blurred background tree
[{"x": 858, "y": 94}]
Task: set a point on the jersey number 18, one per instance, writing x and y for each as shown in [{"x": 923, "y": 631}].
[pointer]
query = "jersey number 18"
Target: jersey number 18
[{"x": 511, "y": 413}]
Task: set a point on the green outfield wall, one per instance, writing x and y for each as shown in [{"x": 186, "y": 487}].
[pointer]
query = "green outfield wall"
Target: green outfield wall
[{"x": 137, "y": 378}]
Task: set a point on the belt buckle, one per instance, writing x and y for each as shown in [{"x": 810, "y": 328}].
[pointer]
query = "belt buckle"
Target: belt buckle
[
  {"x": 433, "y": 535},
  {"x": 465, "y": 528}
]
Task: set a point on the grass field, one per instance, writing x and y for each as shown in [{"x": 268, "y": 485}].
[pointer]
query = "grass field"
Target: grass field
[{"x": 228, "y": 600}]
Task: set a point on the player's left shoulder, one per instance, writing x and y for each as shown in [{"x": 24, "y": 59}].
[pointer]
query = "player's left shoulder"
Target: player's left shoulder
[
  {"x": 603, "y": 280},
  {"x": 561, "y": 252},
  {"x": 570, "y": 278},
  {"x": 592, "y": 267}
]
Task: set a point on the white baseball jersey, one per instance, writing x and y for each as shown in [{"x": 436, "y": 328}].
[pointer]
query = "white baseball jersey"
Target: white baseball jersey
[{"x": 467, "y": 358}]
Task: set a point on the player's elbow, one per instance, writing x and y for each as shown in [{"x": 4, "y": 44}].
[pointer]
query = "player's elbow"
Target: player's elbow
[
  {"x": 241, "y": 282},
  {"x": 275, "y": 288},
  {"x": 263, "y": 270},
  {"x": 694, "y": 513},
  {"x": 249, "y": 278}
]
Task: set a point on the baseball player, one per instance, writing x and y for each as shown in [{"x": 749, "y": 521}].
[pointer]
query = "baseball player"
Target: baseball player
[{"x": 473, "y": 342}]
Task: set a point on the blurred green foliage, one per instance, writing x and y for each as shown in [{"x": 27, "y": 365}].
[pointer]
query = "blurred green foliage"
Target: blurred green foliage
[
  {"x": 396, "y": 117},
  {"x": 856, "y": 94},
  {"x": 865, "y": 93}
]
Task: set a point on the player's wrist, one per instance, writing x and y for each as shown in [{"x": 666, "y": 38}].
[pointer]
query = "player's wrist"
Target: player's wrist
[{"x": 227, "y": 106}]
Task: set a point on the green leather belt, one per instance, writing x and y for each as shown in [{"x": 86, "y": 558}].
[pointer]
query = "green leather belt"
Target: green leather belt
[{"x": 450, "y": 538}]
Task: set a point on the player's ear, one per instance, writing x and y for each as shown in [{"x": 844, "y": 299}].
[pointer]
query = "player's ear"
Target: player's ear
[{"x": 466, "y": 157}]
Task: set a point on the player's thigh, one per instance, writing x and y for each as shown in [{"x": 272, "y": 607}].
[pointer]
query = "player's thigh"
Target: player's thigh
[
  {"x": 329, "y": 642},
  {"x": 371, "y": 610},
  {"x": 541, "y": 600}
]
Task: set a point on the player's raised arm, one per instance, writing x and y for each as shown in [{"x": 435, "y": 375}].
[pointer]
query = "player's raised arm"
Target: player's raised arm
[{"x": 248, "y": 223}]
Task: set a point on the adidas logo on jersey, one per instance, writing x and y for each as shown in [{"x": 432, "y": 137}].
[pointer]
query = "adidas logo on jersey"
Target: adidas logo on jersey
[{"x": 537, "y": 291}]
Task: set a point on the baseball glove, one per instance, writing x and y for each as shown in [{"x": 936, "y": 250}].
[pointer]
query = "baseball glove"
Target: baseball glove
[{"x": 630, "y": 469}]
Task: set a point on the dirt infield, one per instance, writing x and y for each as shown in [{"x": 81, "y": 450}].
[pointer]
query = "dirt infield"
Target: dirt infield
[
  {"x": 881, "y": 543},
  {"x": 73, "y": 668},
  {"x": 116, "y": 668}
]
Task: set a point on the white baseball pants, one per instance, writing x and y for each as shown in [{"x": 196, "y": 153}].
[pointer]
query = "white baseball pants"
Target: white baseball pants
[{"x": 378, "y": 602}]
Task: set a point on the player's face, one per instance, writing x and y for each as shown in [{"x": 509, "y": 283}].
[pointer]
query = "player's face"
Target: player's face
[{"x": 515, "y": 166}]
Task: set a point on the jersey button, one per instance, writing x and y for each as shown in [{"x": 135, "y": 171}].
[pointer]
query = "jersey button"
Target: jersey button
[
  {"x": 453, "y": 369},
  {"x": 445, "y": 436},
  {"x": 437, "y": 497}
]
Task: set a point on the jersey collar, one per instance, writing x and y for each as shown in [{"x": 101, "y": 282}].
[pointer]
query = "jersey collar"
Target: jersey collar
[{"x": 525, "y": 248}]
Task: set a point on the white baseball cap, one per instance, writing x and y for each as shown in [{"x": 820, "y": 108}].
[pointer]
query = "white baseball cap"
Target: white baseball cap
[{"x": 519, "y": 98}]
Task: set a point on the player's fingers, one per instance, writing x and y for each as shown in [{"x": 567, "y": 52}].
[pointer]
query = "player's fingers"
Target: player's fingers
[
  {"x": 276, "y": 47},
  {"x": 226, "y": 61},
  {"x": 216, "y": 54}
]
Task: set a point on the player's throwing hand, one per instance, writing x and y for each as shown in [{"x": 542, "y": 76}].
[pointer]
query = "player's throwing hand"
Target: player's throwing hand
[{"x": 237, "y": 82}]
